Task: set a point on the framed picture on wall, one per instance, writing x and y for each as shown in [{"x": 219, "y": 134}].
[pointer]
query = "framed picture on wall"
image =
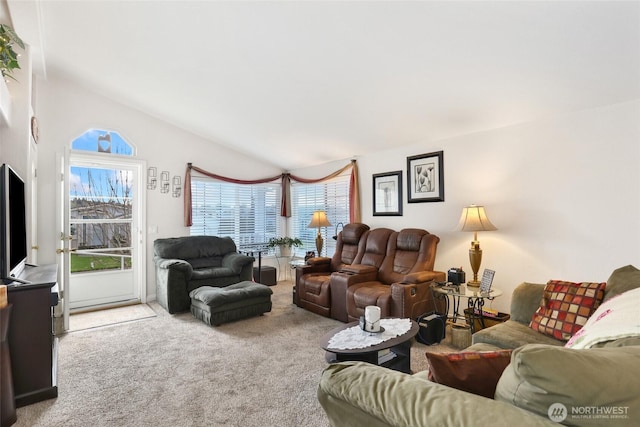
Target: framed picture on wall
[
  {"x": 425, "y": 178},
  {"x": 387, "y": 194}
]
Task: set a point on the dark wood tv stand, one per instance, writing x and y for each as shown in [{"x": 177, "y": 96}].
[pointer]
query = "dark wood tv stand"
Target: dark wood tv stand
[{"x": 32, "y": 345}]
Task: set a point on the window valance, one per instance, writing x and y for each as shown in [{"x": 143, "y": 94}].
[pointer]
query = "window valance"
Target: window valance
[{"x": 285, "y": 179}]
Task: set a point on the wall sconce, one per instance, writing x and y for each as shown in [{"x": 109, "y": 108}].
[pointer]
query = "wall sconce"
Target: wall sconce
[
  {"x": 177, "y": 186},
  {"x": 152, "y": 178},
  {"x": 164, "y": 182}
]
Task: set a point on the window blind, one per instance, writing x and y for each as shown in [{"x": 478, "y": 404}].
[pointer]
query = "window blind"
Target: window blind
[
  {"x": 249, "y": 214},
  {"x": 330, "y": 196}
]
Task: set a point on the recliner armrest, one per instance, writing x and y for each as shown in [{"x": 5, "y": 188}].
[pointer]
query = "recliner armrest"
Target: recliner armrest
[
  {"x": 358, "y": 269},
  {"x": 340, "y": 282},
  {"x": 236, "y": 261},
  {"x": 424, "y": 276},
  {"x": 413, "y": 299},
  {"x": 319, "y": 261},
  {"x": 174, "y": 264}
]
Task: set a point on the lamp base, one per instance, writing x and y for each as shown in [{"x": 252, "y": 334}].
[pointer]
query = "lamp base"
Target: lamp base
[
  {"x": 319, "y": 243},
  {"x": 473, "y": 284}
]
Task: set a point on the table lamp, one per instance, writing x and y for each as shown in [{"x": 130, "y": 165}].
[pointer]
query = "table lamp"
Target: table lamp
[
  {"x": 319, "y": 219},
  {"x": 474, "y": 218}
]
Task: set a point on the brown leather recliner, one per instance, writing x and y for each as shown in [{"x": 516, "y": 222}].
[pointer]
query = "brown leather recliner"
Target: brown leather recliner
[
  {"x": 364, "y": 268},
  {"x": 401, "y": 287},
  {"x": 312, "y": 280}
]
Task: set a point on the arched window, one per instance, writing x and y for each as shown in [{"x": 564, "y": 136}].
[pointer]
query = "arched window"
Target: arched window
[{"x": 102, "y": 141}]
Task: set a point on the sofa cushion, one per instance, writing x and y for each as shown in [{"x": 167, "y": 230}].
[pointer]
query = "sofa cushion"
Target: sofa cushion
[
  {"x": 209, "y": 273},
  {"x": 565, "y": 307},
  {"x": 205, "y": 262},
  {"x": 585, "y": 384},
  {"x": 621, "y": 280},
  {"x": 216, "y": 297},
  {"x": 474, "y": 371},
  {"x": 190, "y": 247},
  {"x": 512, "y": 334}
]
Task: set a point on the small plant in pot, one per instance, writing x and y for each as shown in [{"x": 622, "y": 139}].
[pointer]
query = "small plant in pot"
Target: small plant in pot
[
  {"x": 284, "y": 244},
  {"x": 8, "y": 56}
]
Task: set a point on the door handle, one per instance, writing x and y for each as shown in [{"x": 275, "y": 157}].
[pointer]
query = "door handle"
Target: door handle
[{"x": 66, "y": 251}]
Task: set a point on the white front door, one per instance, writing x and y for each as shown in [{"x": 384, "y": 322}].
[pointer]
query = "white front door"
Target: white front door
[{"x": 103, "y": 240}]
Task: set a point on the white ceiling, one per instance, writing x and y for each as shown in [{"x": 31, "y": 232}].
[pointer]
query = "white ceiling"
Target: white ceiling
[{"x": 304, "y": 82}]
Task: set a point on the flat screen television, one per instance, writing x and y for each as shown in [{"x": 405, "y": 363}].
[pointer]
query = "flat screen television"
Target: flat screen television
[{"x": 13, "y": 223}]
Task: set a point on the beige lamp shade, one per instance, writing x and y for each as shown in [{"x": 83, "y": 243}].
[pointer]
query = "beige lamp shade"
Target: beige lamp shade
[
  {"x": 319, "y": 219},
  {"x": 474, "y": 218}
]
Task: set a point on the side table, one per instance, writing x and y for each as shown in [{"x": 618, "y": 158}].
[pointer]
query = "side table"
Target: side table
[
  {"x": 475, "y": 301},
  {"x": 252, "y": 250},
  {"x": 400, "y": 346}
]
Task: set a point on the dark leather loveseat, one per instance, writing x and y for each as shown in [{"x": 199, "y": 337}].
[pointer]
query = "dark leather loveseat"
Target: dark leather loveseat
[
  {"x": 186, "y": 263},
  {"x": 391, "y": 269}
]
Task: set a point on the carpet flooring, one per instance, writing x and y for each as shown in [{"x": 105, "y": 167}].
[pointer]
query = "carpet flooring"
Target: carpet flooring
[{"x": 174, "y": 370}]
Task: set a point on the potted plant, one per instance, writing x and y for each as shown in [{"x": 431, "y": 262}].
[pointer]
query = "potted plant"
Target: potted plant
[
  {"x": 284, "y": 244},
  {"x": 8, "y": 56}
]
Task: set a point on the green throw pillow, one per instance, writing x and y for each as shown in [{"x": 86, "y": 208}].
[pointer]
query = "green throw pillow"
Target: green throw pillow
[{"x": 591, "y": 387}]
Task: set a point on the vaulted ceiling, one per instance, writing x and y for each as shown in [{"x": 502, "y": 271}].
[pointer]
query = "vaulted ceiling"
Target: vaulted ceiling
[{"x": 308, "y": 82}]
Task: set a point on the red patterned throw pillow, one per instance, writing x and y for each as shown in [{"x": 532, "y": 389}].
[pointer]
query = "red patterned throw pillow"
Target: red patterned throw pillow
[
  {"x": 477, "y": 372},
  {"x": 565, "y": 307}
]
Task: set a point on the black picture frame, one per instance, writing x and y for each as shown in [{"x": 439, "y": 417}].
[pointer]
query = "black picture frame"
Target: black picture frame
[
  {"x": 387, "y": 194},
  {"x": 425, "y": 177}
]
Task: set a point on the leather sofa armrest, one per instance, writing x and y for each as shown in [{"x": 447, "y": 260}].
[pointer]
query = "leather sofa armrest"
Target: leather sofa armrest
[
  {"x": 301, "y": 270},
  {"x": 340, "y": 282},
  {"x": 411, "y": 300},
  {"x": 319, "y": 261},
  {"x": 358, "y": 269},
  {"x": 424, "y": 276}
]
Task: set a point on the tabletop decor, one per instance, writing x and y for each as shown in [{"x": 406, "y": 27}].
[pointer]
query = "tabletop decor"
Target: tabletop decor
[
  {"x": 474, "y": 218},
  {"x": 284, "y": 244},
  {"x": 355, "y": 337},
  {"x": 318, "y": 220}
]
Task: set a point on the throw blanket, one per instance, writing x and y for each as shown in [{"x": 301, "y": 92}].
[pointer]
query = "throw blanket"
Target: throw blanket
[{"x": 617, "y": 318}]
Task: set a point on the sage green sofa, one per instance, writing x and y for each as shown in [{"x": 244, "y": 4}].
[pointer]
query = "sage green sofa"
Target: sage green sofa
[
  {"x": 525, "y": 300},
  {"x": 546, "y": 384}
]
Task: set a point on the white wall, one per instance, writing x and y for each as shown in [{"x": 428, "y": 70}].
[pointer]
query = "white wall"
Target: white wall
[
  {"x": 564, "y": 193},
  {"x": 67, "y": 110}
]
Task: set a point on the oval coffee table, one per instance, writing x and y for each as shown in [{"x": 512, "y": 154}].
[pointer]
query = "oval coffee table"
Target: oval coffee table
[{"x": 400, "y": 346}]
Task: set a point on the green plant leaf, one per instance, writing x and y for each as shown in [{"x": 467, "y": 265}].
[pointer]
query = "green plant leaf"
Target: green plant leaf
[{"x": 12, "y": 35}]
